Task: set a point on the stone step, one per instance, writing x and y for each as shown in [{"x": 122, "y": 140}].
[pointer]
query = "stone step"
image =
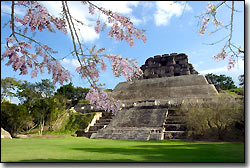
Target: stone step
[
  {"x": 173, "y": 122},
  {"x": 103, "y": 120},
  {"x": 175, "y": 127},
  {"x": 96, "y": 127},
  {"x": 102, "y": 123},
  {"x": 175, "y": 134},
  {"x": 125, "y": 134},
  {"x": 81, "y": 133},
  {"x": 175, "y": 113}
]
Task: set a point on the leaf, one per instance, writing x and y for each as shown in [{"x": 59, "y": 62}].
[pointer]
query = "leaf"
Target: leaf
[{"x": 93, "y": 48}]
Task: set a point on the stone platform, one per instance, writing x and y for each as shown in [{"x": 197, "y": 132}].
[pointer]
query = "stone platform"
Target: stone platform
[{"x": 167, "y": 88}]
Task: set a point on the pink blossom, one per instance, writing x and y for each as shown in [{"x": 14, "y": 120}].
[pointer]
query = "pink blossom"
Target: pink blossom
[
  {"x": 22, "y": 2},
  {"x": 84, "y": 2},
  {"x": 97, "y": 27},
  {"x": 91, "y": 10},
  {"x": 222, "y": 55},
  {"x": 231, "y": 62},
  {"x": 10, "y": 40},
  {"x": 34, "y": 73},
  {"x": 100, "y": 99},
  {"x": 103, "y": 66}
]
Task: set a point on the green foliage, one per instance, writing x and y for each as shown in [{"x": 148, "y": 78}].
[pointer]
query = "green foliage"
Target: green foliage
[
  {"x": 79, "y": 121},
  {"x": 108, "y": 90},
  {"x": 222, "y": 81},
  {"x": 238, "y": 92},
  {"x": 46, "y": 88},
  {"x": 66, "y": 90},
  {"x": 28, "y": 92},
  {"x": 15, "y": 118},
  {"x": 71, "y": 92},
  {"x": 217, "y": 119},
  {"x": 8, "y": 86},
  {"x": 83, "y": 101}
]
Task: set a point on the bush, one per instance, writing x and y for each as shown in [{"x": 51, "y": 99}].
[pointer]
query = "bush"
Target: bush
[
  {"x": 78, "y": 121},
  {"x": 84, "y": 101},
  {"x": 236, "y": 92},
  {"x": 221, "y": 119}
]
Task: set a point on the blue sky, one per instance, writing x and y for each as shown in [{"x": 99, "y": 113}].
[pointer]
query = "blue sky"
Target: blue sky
[{"x": 169, "y": 29}]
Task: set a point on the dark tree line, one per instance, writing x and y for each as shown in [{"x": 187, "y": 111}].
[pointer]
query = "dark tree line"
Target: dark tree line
[{"x": 40, "y": 105}]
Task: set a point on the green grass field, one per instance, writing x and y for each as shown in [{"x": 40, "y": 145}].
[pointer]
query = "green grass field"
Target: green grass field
[{"x": 78, "y": 149}]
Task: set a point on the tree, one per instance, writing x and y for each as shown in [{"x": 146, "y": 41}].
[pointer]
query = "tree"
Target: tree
[
  {"x": 222, "y": 81},
  {"x": 15, "y": 118},
  {"x": 219, "y": 118},
  {"x": 45, "y": 88},
  {"x": 71, "y": 92},
  {"x": 66, "y": 90},
  {"x": 8, "y": 86}
]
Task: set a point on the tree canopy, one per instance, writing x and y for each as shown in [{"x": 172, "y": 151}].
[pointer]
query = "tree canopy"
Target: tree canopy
[{"x": 222, "y": 81}]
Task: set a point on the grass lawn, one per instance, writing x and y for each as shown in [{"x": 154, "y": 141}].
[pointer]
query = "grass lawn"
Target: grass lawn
[{"x": 79, "y": 149}]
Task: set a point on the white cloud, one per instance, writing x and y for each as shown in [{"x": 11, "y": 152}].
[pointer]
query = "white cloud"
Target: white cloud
[
  {"x": 136, "y": 21},
  {"x": 70, "y": 62},
  {"x": 238, "y": 68},
  {"x": 122, "y": 7},
  {"x": 75, "y": 63},
  {"x": 147, "y": 5},
  {"x": 6, "y": 8},
  {"x": 167, "y": 9},
  {"x": 214, "y": 70},
  {"x": 81, "y": 12}
]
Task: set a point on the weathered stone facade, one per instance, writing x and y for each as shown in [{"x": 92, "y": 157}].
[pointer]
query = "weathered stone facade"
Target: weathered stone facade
[{"x": 167, "y": 65}]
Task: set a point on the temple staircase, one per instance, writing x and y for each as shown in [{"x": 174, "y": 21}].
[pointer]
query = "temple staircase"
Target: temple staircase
[
  {"x": 174, "y": 126},
  {"x": 99, "y": 124}
]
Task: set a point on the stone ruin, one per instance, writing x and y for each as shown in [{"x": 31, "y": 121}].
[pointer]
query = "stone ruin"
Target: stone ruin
[
  {"x": 167, "y": 65},
  {"x": 150, "y": 105}
]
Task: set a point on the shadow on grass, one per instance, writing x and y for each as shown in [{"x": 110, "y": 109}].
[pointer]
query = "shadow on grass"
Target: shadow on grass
[{"x": 179, "y": 153}]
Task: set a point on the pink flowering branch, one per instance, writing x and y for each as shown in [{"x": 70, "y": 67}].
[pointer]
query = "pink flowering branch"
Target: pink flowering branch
[
  {"x": 229, "y": 47},
  {"x": 38, "y": 18},
  {"x": 122, "y": 28}
]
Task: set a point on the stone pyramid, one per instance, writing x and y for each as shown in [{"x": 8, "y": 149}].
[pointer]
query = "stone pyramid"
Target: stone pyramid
[{"x": 167, "y": 81}]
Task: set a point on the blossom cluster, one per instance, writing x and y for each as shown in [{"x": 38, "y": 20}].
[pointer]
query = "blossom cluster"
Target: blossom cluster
[
  {"x": 231, "y": 63},
  {"x": 122, "y": 28},
  {"x": 211, "y": 11},
  {"x": 100, "y": 99},
  {"x": 21, "y": 59},
  {"x": 125, "y": 67},
  {"x": 37, "y": 16},
  {"x": 222, "y": 55},
  {"x": 89, "y": 70}
]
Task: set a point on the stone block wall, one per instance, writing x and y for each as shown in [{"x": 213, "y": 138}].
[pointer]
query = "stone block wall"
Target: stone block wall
[{"x": 167, "y": 65}]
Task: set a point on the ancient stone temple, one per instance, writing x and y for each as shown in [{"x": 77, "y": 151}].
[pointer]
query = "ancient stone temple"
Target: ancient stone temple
[
  {"x": 167, "y": 65},
  {"x": 149, "y": 105}
]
